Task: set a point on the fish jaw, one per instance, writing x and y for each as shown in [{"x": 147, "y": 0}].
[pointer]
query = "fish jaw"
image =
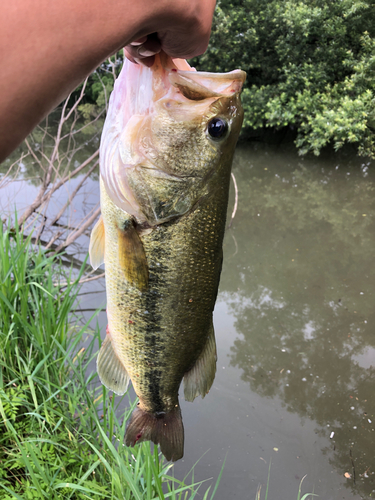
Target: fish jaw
[{"x": 155, "y": 133}]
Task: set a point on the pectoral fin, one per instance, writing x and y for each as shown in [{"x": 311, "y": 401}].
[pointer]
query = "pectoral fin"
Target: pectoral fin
[
  {"x": 199, "y": 379},
  {"x": 132, "y": 256},
  {"x": 111, "y": 371},
  {"x": 96, "y": 248}
]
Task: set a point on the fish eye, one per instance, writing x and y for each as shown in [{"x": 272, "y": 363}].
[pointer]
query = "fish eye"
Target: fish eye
[{"x": 217, "y": 128}]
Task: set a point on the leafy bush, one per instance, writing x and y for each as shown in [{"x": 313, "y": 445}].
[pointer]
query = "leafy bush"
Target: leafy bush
[{"x": 310, "y": 65}]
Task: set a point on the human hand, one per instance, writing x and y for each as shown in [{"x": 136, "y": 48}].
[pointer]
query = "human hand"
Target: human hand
[
  {"x": 181, "y": 28},
  {"x": 182, "y": 32},
  {"x": 143, "y": 50}
]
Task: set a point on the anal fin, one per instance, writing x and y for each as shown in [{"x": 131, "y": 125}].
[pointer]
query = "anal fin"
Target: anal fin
[
  {"x": 132, "y": 256},
  {"x": 199, "y": 379},
  {"x": 111, "y": 371},
  {"x": 97, "y": 240}
]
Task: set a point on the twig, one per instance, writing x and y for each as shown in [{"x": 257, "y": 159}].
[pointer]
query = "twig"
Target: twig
[
  {"x": 52, "y": 240},
  {"x": 113, "y": 67},
  {"x": 82, "y": 280},
  {"x": 105, "y": 91},
  {"x": 43, "y": 196},
  {"x": 70, "y": 199},
  {"x": 78, "y": 169},
  {"x": 64, "y": 226},
  {"x": 84, "y": 126},
  {"x": 2, "y": 182},
  {"x": 24, "y": 179},
  {"x": 235, "y": 199},
  {"x": 42, "y": 226},
  {"x": 34, "y": 205},
  {"x": 76, "y": 234},
  {"x": 75, "y": 105},
  {"x": 31, "y": 151}
]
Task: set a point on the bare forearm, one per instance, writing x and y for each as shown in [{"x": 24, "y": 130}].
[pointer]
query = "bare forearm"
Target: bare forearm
[{"x": 48, "y": 47}]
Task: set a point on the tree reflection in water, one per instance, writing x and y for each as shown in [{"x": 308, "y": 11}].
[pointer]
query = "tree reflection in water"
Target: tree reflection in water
[{"x": 303, "y": 251}]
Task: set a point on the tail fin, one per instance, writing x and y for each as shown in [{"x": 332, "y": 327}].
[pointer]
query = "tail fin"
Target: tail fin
[{"x": 165, "y": 429}]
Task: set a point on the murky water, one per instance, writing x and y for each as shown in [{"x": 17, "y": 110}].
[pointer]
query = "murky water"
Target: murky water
[{"x": 295, "y": 329}]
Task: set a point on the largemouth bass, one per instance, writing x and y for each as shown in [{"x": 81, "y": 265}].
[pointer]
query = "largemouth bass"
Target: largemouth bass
[{"x": 165, "y": 162}]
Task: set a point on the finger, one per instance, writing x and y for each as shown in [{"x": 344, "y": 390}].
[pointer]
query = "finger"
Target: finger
[
  {"x": 190, "y": 38},
  {"x": 184, "y": 46},
  {"x": 148, "y": 61},
  {"x": 143, "y": 53},
  {"x": 140, "y": 41},
  {"x": 129, "y": 56},
  {"x": 147, "y": 49}
]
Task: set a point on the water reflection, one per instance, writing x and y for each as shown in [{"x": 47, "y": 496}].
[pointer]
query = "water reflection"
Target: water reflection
[{"x": 301, "y": 287}]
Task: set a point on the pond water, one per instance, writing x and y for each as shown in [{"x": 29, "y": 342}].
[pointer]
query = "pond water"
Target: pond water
[{"x": 295, "y": 330}]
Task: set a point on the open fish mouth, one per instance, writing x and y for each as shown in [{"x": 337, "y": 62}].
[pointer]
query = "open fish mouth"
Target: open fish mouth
[{"x": 168, "y": 112}]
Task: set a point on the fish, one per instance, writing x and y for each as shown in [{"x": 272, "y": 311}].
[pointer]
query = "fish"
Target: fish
[{"x": 165, "y": 163}]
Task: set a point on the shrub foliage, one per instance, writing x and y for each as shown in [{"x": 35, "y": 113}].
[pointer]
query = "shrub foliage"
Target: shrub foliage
[{"x": 310, "y": 65}]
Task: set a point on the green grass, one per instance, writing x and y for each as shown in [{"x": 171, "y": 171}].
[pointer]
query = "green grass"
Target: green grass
[
  {"x": 306, "y": 496},
  {"x": 61, "y": 436}
]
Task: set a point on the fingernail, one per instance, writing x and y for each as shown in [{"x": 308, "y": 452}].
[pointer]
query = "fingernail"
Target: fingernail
[
  {"x": 140, "y": 41},
  {"x": 147, "y": 53}
]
